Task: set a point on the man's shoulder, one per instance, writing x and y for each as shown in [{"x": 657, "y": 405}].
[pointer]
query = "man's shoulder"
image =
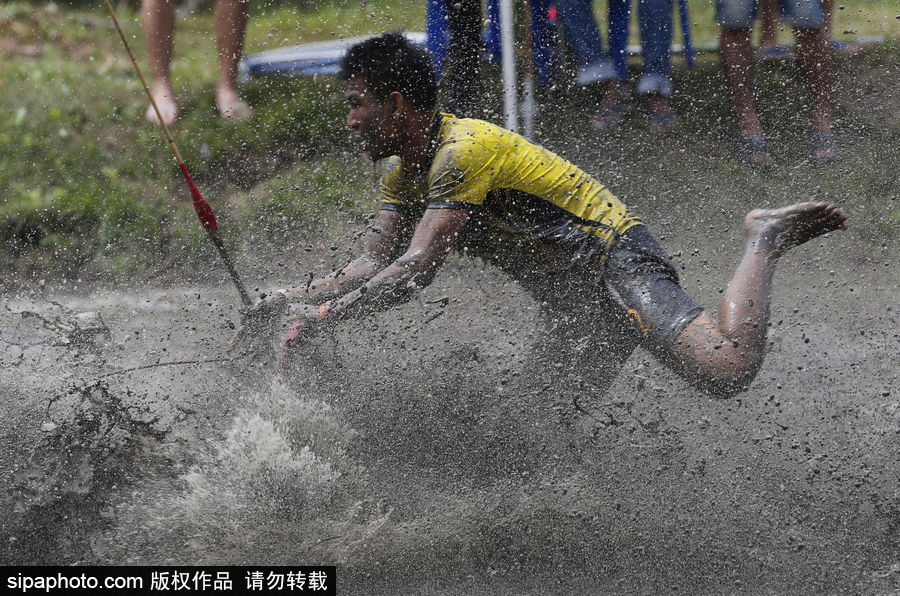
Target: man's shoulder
[
  {"x": 469, "y": 129},
  {"x": 469, "y": 142},
  {"x": 393, "y": 168}
]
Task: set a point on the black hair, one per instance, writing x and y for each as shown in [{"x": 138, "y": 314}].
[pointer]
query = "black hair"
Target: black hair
[{"x": 390, "y": 62}]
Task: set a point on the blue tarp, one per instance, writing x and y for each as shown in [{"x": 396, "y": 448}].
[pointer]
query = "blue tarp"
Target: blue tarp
[{"x": 320, "y": 58}]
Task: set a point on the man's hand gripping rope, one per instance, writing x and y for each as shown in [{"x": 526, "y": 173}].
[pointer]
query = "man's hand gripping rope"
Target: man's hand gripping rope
[
  {"x": 304, "y": 320},
  {"x": 258, "y": 323},
  {"x": 276, "y": 315}
]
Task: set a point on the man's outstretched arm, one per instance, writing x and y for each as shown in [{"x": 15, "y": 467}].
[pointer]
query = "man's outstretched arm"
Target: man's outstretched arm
[
  {"x": 433, "y": 238},
  {"x": 385, "y": 243}
]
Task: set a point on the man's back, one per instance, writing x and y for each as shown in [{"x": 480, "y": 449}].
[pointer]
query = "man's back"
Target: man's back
[{"x": 512, "y": 186}]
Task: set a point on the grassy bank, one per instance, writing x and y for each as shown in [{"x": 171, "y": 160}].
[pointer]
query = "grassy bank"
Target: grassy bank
[
  {"x": 88, "y": 185},
  {"x": 89, "y": 188}
]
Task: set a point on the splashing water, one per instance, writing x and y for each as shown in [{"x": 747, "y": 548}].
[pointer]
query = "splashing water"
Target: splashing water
[{"x": 415, "y": 456}]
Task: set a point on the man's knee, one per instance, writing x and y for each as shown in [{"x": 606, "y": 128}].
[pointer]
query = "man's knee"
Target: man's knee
[
  {"x": 724, "y": 385},
  {"x": 713, "y": 362}
]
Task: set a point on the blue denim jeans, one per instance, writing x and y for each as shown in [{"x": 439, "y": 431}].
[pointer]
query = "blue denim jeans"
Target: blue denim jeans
[{"x": 596, "y": 64}]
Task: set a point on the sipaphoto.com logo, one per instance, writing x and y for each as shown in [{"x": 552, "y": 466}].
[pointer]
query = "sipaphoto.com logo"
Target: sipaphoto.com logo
[{"x": 71, "y": 581}]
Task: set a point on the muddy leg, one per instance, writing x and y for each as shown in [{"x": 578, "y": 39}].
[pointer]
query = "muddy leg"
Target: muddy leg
[{"x": 724, "y": 356}]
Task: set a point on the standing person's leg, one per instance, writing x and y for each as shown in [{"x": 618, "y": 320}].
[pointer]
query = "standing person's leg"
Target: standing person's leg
[
  {"x": 655, "y": 18},
  {"x": 595, "y": 65},
  {"x": 814, "y": 56},
  {"x": 615, "y": 100},
  {"x": 737, "y": 65},
  {"x": 769, "y": 49},
  {"x": 735, "y": 18},
  {"x": 158, "y": 17},
  {"x": 464, "y": 57},
  {"x": 231, "y": 23},
  {"x": 724, "y": 356},
  {"x": 837, "y": 46},
  {"x": 584, "y": 35},
  {"x": 619, "y": 21}
]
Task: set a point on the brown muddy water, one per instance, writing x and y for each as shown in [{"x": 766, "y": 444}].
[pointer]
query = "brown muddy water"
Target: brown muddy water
[{"x": 433, "y": 449}]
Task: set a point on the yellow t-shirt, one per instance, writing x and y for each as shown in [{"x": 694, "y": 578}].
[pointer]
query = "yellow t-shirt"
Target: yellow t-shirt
[{"x": 517, "y": 190}]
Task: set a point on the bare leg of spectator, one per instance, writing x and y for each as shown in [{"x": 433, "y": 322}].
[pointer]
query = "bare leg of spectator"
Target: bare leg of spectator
[
  {"x": 769, "y": 49},
  {"x": 159, "y": 29},
  {"x": 814, "y": 55},
  {"x": 737, "y": 63},
  {"x": 231, "y": 23},
  {"x": 837, "y": 46}
]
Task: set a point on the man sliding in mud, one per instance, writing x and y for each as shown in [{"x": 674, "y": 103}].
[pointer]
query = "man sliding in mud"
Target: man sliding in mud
[{"x": 469, "y": 185}]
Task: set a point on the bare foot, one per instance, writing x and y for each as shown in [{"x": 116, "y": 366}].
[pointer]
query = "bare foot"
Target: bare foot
[
  {"x": 165, "y": 101},
  {"x": 231, "y": 105},
  {"x": 781, "y": 229}
]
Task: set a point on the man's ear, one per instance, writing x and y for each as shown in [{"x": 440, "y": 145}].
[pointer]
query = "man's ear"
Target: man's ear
[{"x": 397, "y": 103}]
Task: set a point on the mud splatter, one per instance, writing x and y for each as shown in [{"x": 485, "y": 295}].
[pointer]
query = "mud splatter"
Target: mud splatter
[{"x": 417, "y": 457}]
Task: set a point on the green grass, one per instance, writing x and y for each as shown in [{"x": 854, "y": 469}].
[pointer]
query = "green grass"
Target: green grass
[
  {"x": 87, "y": 185},
  {"x": 84, "y": 179}
]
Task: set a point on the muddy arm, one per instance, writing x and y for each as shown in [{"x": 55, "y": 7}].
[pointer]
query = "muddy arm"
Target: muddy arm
[
  {"x": 433, "y": 238},
  {"x": 385, "y": 243}
]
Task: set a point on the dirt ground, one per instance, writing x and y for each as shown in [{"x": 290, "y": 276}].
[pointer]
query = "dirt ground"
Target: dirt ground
[{"x": 436, "y": 449}]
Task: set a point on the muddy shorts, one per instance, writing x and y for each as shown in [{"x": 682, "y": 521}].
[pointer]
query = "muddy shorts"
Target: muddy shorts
[{"x": 643, "y": 282}]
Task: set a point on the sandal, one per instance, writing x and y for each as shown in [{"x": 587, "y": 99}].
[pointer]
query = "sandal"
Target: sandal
[
  {"x": 825, "y": 146},
  {"x": 663, "y": 124},
  {"x": 754, "y": 151},
  {"x": 605, "y": 119},
  {"x": 775, "y": 54},
  {"x": 844, "y": 48}
]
